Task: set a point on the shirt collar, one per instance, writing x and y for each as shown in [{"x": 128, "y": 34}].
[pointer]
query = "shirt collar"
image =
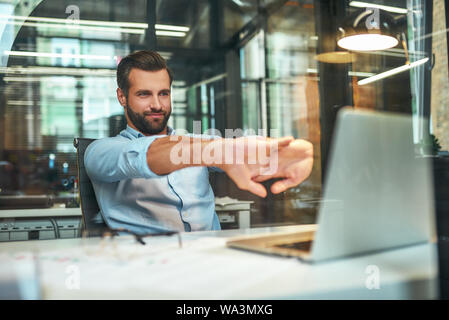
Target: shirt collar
[{"x": 136, "y": 134}]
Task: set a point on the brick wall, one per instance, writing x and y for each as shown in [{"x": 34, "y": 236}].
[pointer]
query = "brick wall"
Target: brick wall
[{"x": 440, "y": 76}]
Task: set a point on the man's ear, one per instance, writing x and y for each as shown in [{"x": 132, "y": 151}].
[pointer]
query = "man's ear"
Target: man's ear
[{"x": 121, "y": 97}]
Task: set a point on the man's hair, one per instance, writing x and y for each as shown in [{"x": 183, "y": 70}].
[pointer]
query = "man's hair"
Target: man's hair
[{"x": 144, "y": 60}]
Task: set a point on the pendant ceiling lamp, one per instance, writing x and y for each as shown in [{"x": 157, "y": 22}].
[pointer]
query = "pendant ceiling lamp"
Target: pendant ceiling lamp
[{"x": 368, "y": 29}]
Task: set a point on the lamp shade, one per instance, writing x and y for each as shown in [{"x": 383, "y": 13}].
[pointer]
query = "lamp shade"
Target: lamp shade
[{"x": 368, "y": 30}]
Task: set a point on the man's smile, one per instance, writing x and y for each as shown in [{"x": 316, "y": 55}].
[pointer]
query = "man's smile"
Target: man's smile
[{"x": 155, "y": 115}]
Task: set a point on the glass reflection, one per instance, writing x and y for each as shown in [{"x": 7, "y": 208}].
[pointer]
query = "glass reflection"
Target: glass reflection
[{"x": 238, "y": 64}]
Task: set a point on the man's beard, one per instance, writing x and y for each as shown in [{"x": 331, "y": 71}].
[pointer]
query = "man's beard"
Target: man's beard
[{"x": 144, "y": 125}]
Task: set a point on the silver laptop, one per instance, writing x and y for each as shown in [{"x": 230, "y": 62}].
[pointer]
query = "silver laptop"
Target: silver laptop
[{"x": 378, "y": 194}]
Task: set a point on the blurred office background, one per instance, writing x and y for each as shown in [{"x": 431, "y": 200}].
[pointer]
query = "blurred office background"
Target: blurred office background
[{"x": 249, "y": 64}]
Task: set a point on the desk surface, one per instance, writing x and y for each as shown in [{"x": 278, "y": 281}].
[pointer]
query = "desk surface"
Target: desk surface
[{"x": 204, "y": 268}]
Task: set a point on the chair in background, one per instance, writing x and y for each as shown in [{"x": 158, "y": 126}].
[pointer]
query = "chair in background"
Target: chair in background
[{"x": 88, "y": 201}]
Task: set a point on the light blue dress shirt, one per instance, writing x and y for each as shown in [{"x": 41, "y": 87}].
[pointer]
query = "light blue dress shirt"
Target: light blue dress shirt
[{"x": 133, "y": 197}]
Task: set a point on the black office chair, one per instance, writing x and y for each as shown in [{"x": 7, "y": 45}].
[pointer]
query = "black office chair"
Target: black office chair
[{"x": 89, "y": 204}]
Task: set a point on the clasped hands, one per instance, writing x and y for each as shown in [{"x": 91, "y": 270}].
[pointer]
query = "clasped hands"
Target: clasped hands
[
  {"x": 255, "y": 160},
  {"x": 248, "y": 161}
]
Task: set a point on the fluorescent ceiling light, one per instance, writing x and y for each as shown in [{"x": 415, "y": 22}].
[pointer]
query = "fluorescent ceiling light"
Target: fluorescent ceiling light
[
  {"x": 392, "y": 72},
  {"x": 398, "y": 53},
  {"x": 171, "y": 28},
  {"x": 367, "y": 42},
  {"x": 58, "y": 55},
  {"x": 350, "y": 73},
  {"x": 47, "y": 79},
  {"x": 21, "y": 103},
  {"x": 93, "y": 25},
  {"x": 21, "y": 79},
  {"x": 179, "y": 83},
  {"x": 58, "y": 71},
  {"x": 241, "y": 3},
  {"x": 72, "y": 21},
  {"x": 360, "y": 4},
  {"x": 75, "y": 27},
  {"x": 360, "y": 74},
  {"x": 170, "y": 33}
]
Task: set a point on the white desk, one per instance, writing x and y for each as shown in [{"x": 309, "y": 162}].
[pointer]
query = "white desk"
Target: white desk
[
  {"x": 205, "y": 269},
  {"x": 229, "y": 212},
  {"x": 40, "y": 213}
]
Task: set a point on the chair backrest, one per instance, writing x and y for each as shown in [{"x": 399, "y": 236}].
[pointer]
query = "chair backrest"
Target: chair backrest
[{"x": 88, "y": 201}]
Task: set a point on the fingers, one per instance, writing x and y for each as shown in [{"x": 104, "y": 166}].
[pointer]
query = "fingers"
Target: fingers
[
  {"x": 257, "y": 189},
  {"x": 281, "y": 142},
  {"x": 262, "y": 178},
  {"x": 242, "y": 179},
  {"x": 278, "y": 186},
  {"x": 285, "y": 141},
  {"x": 282, "y": 185}
]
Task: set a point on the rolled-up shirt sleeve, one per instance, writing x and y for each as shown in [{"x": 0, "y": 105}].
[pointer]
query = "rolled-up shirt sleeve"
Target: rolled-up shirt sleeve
[{"x": 115, "y": 159}]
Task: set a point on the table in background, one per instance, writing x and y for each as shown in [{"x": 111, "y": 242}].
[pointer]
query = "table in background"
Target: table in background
[
  {"x": 63, "y": 223},
  {"x": 40, "y": 224}
]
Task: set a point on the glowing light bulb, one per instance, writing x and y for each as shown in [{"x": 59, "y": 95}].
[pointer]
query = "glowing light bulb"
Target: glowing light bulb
[{"x": 367, "y": 42}]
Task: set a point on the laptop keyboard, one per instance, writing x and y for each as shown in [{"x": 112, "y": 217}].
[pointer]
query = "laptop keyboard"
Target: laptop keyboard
[{"x": 301, "y": 245}]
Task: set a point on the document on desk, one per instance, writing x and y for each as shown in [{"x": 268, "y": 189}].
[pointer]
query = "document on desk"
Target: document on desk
[{"x": 160, "y": 270}]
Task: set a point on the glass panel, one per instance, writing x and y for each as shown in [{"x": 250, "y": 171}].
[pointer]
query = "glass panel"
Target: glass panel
[
  {"x": 58, "y": 65},
  {"x": 251, "y": 105},
  {"x": 248, "y": 63},
  {"x": 58, "y": 71},
  {"x": 252, "y": 73},
  {"x": 183, "y": 23},
  {"x": 293, "y": 99},
  {"x": 423, "y": 43},
  {"x": 252, "y": 57},
  {"x": 236, "y": 14},
  {"x": 280, "y": 93}
]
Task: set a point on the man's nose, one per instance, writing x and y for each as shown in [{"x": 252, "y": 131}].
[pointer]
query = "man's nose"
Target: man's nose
[{"x": 155, "y": 104}]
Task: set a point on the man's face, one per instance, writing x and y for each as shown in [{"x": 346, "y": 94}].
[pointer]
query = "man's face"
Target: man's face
[{"x": 148, "y": 106}]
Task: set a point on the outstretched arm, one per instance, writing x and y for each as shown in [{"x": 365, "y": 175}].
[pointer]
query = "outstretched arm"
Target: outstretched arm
[{"x": 247, "y": 160}]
